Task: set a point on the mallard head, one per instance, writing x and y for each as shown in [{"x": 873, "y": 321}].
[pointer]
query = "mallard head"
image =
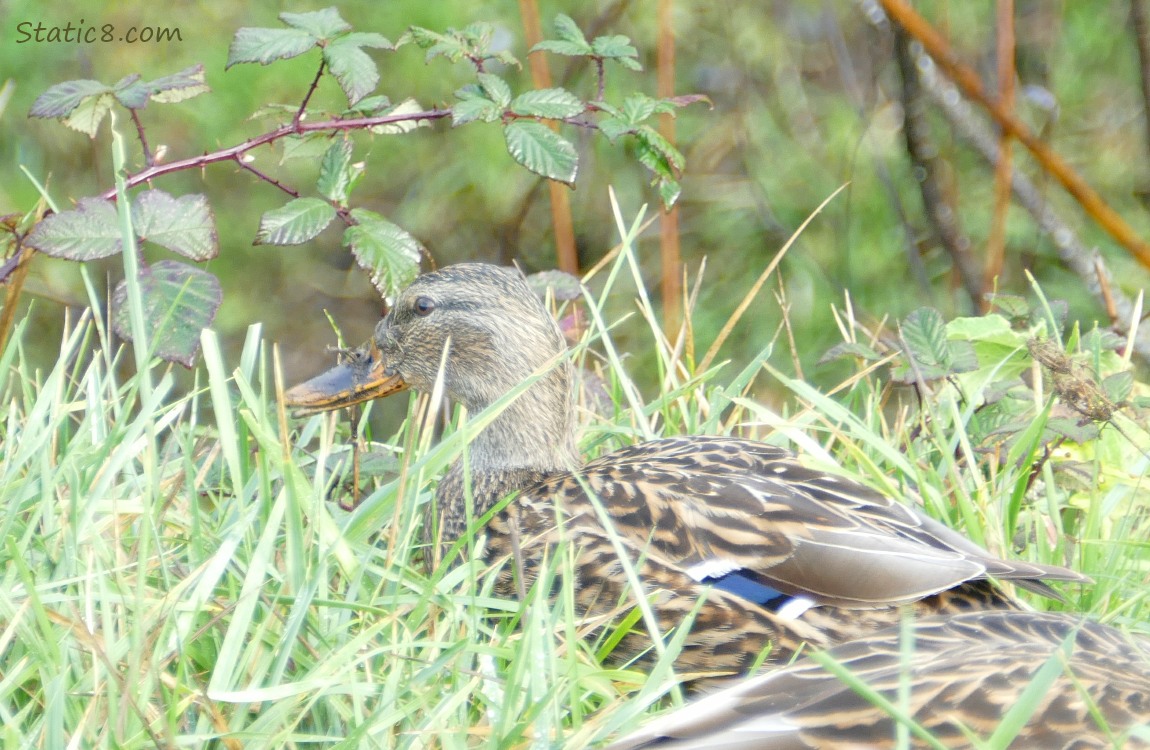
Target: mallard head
[{"x": 480, "y": 330}]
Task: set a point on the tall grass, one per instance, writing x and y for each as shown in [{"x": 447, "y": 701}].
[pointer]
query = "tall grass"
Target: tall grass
[{"x": 179, "y": 569}]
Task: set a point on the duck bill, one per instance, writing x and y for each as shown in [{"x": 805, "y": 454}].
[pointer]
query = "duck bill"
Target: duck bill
[{"x": 360, "y": 379}]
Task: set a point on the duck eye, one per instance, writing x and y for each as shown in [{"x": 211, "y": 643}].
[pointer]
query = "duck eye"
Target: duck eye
[{"x": 423, "y": 306}]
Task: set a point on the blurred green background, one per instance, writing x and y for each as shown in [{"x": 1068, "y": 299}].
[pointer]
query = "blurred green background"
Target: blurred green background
[{"x": 805, "y": 99}]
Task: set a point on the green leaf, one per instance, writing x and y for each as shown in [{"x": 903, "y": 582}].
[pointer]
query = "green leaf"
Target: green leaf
[
  {"x": 474, "y": 105},
  {"x": 1118, "y": 385},
  {"x": 335, "y": 172},
  {"x": 179, "y": 301},
  {"x": 496, "y": 89},
  {"x": 183, "y": 225},
  {"x": 562, "y": 285},
  {"x": 613, "y": 127},
  {"x": 925, "y": 335},
  {"x": 310, "y": 146},
  {"x": 256, "y": 45},
  {"x": 852, "y": 349},
  {"x": 615, "y": 47},
  {"x": 87, "y": 117},
  {"x": 386, "y": 251},
  {"x": 569, "y": 31},
  {"x": 559, "y": 47},
  {"x": 61, "y": 99},
  {"x": 353, "y": 69},
  {"x": 555, "y": 104},
  {"x": 366, "y": 39},
  {"x": 131, "y": 92},
  {"x": 368, "y": 106},
  {"x": 87, "y": 232},
  {"x": 295, "y": 223},
  {"x": 405, "y": 107},
  {"x": 651, "y": 137},
  {"x": 545, "y": 153},
  {"x": 321, "y": 24},
  {"x": 638, "y": 107},
  {"x": 177, "y": 87}
]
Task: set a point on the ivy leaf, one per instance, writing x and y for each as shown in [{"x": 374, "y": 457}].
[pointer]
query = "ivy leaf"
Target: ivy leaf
[
  {"x": 177, "y": 87},
  {"x": 321, "y": 24},
  {"x": 542, "y": 151},
  {"x": 60, "y": 100},
  {"x": 183, "y": 225},
  {"x": 335, "y": 176},
  {"x": 295, "y": 223},
  {"x": 179, "y": 301},
  {"x": 263, "y": 46},
  {"x": 384, "y": 250},
  {"x": 88, "y": 232},
  {"x": 554, "y": 104}
]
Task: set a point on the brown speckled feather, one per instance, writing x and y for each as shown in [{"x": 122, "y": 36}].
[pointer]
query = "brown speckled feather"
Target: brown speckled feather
[
  {"x": 965, "y": 671},
  {"x": 781, "y": 554}
]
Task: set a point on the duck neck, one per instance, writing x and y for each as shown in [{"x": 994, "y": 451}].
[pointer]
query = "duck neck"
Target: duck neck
[{"x": 531, "y": 439}]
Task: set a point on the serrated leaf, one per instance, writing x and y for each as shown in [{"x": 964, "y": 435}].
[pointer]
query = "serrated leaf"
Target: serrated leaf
[
  {"x": 851, "y": 349},
  {"x": 177, "y": 87},
  {"x": 321, "y": 24},
  {"x": 555, "y": 104},
  {"x": 655, "y": 161},
  {"x": 637, "y": 108},
  {"x": 353, "y": 69},
  {"x": 1072, "y": 429},
  {"x": 666, "y": 149},
  {"x": 542, "y": 151},
  {"x": 87, "y": 117},
  {"x": 183, "y": 225},
  {"x": 131, "y": 92},
  {"x": 295, "y": 223},
  {"x": 423, "y": 38},
  {"x": 615, "y": 46},
  {"x": 1118, "y": 385},
  {"x": 568, "y": 30},
  {"x": 473, "y": 105},
  {"x": 387, "y": 252},
  {"x": 304, "y": 147},
  {"x": 496, "y": 89},
  {"x": 179, "y": 301},
  {"x": 366, "y": 39},
  {"x": 669, "y": 191},
  {"x": 560, "y": 47},
  {"x": 925, "y": 335},
  {"x": 613, "y": 127},
  {"x": 61, "y": 99},
  {"x": 335, "y": 172},
  {"x": 368, "y": 106},
  {"x": 256, "y": 45},
  {"x": 961, "y": 356},
  {"x": 87, "y": 232},
  {"x": 405, "y": 107}
]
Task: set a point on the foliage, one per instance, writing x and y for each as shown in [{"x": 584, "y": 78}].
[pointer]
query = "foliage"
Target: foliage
[
  {"x": 387, "y": 252},
  {"x": 166, "y": 582}
]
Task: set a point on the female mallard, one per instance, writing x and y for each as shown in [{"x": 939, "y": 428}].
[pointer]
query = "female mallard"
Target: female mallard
[
  {"x": 782, "y": 555},
  {"x": 964, "y": 675}
]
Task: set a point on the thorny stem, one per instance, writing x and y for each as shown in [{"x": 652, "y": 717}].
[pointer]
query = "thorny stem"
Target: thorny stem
[
  {"x": 601, "y": 79},
  {"x": 232, "y": 152},
  {"x": 266, "y": 178},
  {"x": 307, "y": 97},
  {"x": 149, "y": 157}
]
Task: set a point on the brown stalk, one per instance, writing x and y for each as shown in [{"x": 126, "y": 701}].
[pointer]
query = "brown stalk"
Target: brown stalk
[
  {"x": 560, "y": 202},
  {"x": 669, "y": 252},
  {"x": 996, "y": 239},
  {"x": 968, "y": 82}
]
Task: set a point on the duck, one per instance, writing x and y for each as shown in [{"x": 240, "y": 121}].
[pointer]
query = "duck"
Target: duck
[
  {"x": 734, "y": 538},
  {"x": 962, "y": 675}
]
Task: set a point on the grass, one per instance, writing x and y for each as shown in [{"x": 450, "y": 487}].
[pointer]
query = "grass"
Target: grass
[{"x": 178, "y": 570}]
